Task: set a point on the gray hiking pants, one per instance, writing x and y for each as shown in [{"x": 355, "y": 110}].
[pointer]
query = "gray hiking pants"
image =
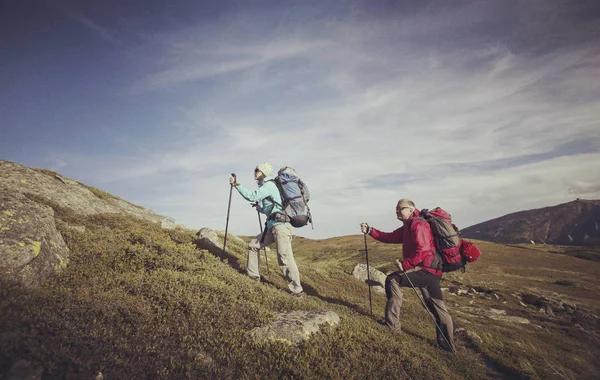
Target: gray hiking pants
[
  {"x": 281, "y": 235},
  {"x": 429, "y": 285}
]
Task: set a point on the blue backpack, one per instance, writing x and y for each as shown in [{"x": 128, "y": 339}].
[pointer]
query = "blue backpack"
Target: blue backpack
[{"x": 294, "y": 196}]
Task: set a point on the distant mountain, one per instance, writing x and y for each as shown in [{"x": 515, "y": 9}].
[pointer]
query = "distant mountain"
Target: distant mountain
[{"x": 572, "y": 223}]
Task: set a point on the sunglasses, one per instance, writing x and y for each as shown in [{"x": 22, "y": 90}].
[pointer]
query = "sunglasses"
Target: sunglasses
[
  {"x": 399, "y": 209},
  {"x": 256, "y": 170}
]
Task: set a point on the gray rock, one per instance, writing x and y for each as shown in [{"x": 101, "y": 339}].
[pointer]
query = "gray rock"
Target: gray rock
[
  {"x": 25, "y": 370},
  {"x": 31, "y": 249},
  {"x": 468, "y": 335},
  {"x": 208, "y": 238},
  {"x": 294, "y": 326},
  {"x": 377, "y": 277}
]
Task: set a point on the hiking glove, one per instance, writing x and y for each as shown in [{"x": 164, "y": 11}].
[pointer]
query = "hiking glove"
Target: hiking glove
[{"x": 364, "y": 227}]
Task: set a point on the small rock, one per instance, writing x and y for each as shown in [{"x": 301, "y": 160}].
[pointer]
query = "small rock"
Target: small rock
[
  {"x": 206, "y": 235},
  {"x": 468, "y": 335},
  {"x": 376, "y": 276}
]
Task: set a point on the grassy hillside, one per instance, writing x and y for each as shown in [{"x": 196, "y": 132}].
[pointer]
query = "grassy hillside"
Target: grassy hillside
[{"x": 141, "y": 302}]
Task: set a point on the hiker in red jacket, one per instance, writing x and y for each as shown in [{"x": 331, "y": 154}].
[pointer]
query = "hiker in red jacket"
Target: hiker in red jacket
[{"x": 418, "y": 251}]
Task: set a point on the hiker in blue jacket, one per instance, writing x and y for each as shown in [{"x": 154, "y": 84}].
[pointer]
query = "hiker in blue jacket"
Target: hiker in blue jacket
[{"x": 268, "y": 199}]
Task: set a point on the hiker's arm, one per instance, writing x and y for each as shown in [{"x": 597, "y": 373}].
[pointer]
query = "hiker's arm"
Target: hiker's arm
[
  {"x": 388, "y": 237},
  {"x": 254, "y": 196},
  {"x": 421, "y": 232}
]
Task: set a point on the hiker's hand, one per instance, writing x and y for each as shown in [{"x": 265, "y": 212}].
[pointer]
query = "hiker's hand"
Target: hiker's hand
[
  {"x": 255, "y": 205},
  {"x": 364, "y": 227},
  {"x": 399, "y": 265},
  {"x": 232, "y": 181}
]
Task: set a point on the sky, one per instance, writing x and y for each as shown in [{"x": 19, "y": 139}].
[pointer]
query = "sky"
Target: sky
[{"x": 480, "y": 107}]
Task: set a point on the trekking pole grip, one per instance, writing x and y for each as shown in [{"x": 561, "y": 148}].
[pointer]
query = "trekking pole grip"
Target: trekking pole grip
[{"x": 234, "y": 177}]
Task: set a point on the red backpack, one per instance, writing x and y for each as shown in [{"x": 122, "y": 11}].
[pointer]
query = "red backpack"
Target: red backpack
[{"x": 453, "y": 253}]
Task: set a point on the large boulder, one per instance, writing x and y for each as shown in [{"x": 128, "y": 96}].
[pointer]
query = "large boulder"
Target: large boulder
[
  {"x": 31, "y": 249},
  {"x": 377, "y": 277},
  {"x": 294, "y": 326}
]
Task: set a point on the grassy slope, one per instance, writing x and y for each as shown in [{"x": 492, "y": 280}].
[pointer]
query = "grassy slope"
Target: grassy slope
[
  {"x": 552, "y": 346},
  {"x": 140, "y": 302}
]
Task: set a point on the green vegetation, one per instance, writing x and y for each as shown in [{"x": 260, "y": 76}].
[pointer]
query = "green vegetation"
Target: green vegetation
[
  {"x": 137, "y": 301},
  {"x": 99, "y": 193}
]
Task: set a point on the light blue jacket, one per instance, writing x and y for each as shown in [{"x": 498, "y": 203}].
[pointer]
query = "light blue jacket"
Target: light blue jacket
[{"x": 266, "y": 189}]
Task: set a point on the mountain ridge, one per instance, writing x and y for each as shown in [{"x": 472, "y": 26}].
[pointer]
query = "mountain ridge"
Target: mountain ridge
[{"x": 571, "y": 223}]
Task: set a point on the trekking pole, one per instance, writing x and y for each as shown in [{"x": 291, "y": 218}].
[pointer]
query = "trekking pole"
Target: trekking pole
[
  {"x": 428, "y": 312},
  {"x": 368, "y": 274},
  {"x": 228, "y": 208},
  {"x": 261, "y": 231}
]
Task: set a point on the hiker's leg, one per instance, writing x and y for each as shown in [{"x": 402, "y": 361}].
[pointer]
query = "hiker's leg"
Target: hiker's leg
[
  {"x": 444, "y": 320},
  {"x": 254, "y": 247},
  {"x": 433, "y": 300},
  {"x": 282, "y": 234},
  {"x": 394, "y": 295}
]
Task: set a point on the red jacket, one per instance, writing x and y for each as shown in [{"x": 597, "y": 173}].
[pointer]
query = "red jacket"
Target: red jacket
[{"x": 416, "y": 238}]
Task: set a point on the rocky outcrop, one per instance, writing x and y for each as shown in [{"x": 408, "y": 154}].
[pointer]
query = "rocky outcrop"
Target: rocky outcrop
[
  {"x": 31, "y": 249},
  {"x": 70, "y": 194},
  {"x": 294, "y": 326},
  {"x": 377, "y": 277}
]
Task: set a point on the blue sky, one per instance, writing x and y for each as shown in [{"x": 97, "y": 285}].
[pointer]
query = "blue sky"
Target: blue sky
[{"x": 480, "y": 107}]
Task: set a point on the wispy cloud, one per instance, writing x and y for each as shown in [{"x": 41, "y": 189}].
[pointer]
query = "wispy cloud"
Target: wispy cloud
[
  {"x": 466, "y": 107},
  {"x": 100, "y": 31}
]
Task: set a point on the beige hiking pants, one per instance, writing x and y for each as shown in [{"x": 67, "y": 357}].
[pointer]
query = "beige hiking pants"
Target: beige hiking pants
[{"x": 281, "y": 235}]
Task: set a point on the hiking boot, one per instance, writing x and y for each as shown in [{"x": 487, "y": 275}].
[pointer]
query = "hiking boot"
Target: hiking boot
[
  {"x": 255, "y": 278},
  {"x": 384, "y": 323},
  {"x": 297, "y": 295}
]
